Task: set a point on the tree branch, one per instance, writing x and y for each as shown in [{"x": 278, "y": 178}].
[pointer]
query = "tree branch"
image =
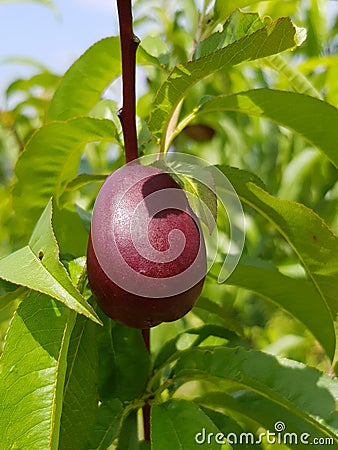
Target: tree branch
[{"x": 129, "y": 44}]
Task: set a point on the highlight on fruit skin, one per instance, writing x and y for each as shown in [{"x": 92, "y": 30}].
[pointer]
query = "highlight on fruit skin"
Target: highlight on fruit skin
[{"x": 146, "y": 257}]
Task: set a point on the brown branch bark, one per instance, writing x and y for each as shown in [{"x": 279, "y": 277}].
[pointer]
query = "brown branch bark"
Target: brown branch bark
[{"x": 129, "y": 44}]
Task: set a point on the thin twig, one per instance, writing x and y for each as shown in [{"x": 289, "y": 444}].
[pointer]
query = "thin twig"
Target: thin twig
[
  {"x": 129, "y": 44},
  {"x": 146, "y": 408}
]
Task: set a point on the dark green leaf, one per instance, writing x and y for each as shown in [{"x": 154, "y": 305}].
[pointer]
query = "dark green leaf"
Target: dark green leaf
[
  {"x": 177, "y": 423},
  {"x": 252, "y": 409},
  {"x": 80, "y": 396},
  {"x": 123, "y": 361},
  {"x": 128, "y": 437},
  {"x": 71, "y": 235},
  {"x": 108, "y": 423},
  {"x": 225, "y": 423}
]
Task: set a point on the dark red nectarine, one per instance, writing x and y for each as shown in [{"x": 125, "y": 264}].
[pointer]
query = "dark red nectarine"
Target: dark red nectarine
[{"x": 146, "y": 256}]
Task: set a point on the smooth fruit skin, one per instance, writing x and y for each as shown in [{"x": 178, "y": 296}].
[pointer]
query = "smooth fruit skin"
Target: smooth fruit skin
[{"x": 146, "y": 257}]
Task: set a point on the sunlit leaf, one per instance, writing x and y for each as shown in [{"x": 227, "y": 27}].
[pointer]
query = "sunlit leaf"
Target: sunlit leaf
[
  {"x": 32, "y": 373},
  {"x": 44, "y": 79},
  {"x": 37, "y": 266},
  {"x": 202, "y": 199},
  {"x": 237, "y": 26}
]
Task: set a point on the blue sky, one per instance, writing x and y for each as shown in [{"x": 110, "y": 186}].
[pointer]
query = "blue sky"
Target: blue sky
[{"x": 34, "y": 31}]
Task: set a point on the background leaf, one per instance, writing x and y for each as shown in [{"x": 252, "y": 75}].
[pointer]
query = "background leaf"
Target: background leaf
[
  {"x": 82, "y": 85},
  {"x": 32, "y": 373},
  {"x": 53, "y": 155},
  {"x": 273, "y": 38},
  {"x": 310, "y": 238},
  {"x": 276, "y": 105},
  {"x": 287, "y": 293},
  {"x": 283, "y": 382}
]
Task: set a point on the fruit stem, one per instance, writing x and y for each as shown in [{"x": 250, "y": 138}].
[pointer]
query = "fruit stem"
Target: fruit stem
[
  {"x": 146, "y": 408},
  {"x": 129, "y": 44}
]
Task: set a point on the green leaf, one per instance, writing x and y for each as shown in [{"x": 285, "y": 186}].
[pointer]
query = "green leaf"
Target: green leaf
[
  {"x": 124, "y": 362},
  {"x": 108, "y": 424},
  {"x": 257, "y": 412},
  {"x": 83, "y": 84},
  {"x": 70, "y": 233},
  {"x": 237, "y": 26},
  {"x": 289, "y": 293},
  {"x": 276, "y": 106},
  {"x": 223, "y": 9},
  {"x": 225, "y": 423},
  {"x": 37, "y": 266},
  {"x": 202, "y": 199},
  {"x": 299, "y": 82},
  {"x": 44, "y": 79},
  {"x": 199, "y": 187},
  {"x": 169, "y": 348},
  {"x": 83, "y": 179},
  {"x": 274, "y": 38},
  {"x": 307, "y": 234},
  {"x": 285, "y": 383},
  {"x": 80, "y": 396},
  {"x": 48, "y": 3},
  {"x": 32, "y": 373},
  {"x": 177, "y": 423},
  {"x": 128, "y": 437},
  {"x": 53, "y": 156}
]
